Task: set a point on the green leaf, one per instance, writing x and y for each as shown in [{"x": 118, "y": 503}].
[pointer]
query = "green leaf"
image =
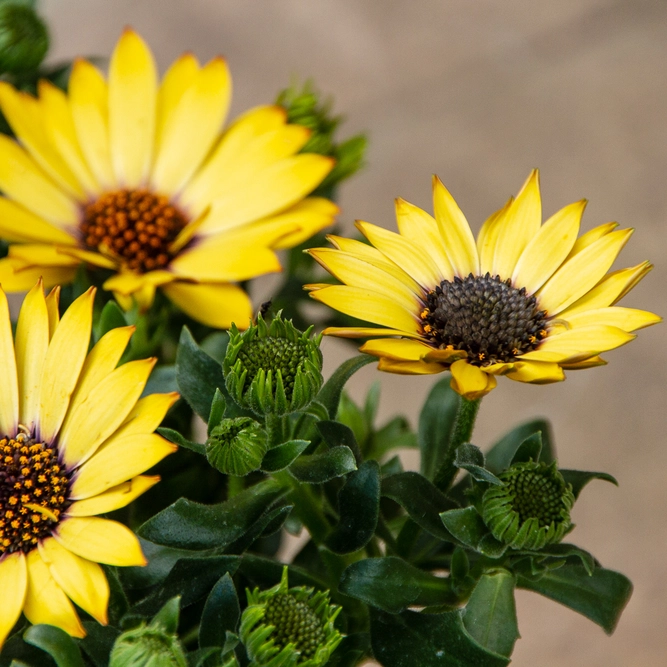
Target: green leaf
[
  {"x": 161, "y": 381},
  {"x": 168, "y": 615},
  {"x": 470, "y": 458},
  {"x": 218, "y": 407},
  {"x": 351, "y": 650},
  {"x": 56, "y": 642},
  {"x": 16, "y": 653},
  {"x": 266, "y": 572},
  {"x": 267, "y": 524},
  {"x": 330, "y": 393},
  {"x": 490, "y": 615},
  {"x": 336, "y": 434},
  {"x": 197, "y": 374},
  {"x": 420, "y": 499},
  {"x": 98, "y": 642},
  {"x": 601, "y": 596},
  {"x": 319, "y": 468},
  {"x": 564, "y": 551},
  {"x": 427, "y": 640},
  {"x": 436, "y": 424},
  {"x": 467, "y": 526},
  {"x": 111, "y": 317},
  {"x": 579, "y": 479},
  {"x": 499, "y": 457},
  {"x": 393, "y": 585},
  {"x": 221, "y": 613},
  {"x": 190, "y": 525},
  {"x": 178, "y": 439},
  {"x": 358, "y": 508},
  {"x": 529, "y": 449},
  {"x": 118, "y": 602},
  {"x": 394, "y": 434},
  {"x": 284, "y": 455}
]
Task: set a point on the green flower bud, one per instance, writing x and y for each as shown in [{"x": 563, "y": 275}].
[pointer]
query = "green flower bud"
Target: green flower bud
[
  {"x": 273, "y": 369},
  {"x": 531, "y": 508},
  {"x": 236, "y": 446},
  {"x": 147, "y": 646},
  {"x": 24, "y": 40},
  {"x": 286, "y": 627}
]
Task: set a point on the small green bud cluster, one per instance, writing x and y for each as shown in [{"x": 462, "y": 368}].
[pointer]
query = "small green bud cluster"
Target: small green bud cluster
[
  {"x": 273, "y": 369},
  {"x": 147, "y": 646},
  {"x": 289, "y": 627},
  {"x": 236, "y": 446},
  {"x": 531, "y": 508},
  {"x": 24, "y": 40}
]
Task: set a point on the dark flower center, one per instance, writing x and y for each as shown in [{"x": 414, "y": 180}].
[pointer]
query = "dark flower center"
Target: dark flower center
[
  {"x": 485, "y": 316},
  {"x": 536, "y": 494},
  {"x": 295, "y": 623},
  {"x": 137, "y": 226},
  {"x": 34, "y": 492}
]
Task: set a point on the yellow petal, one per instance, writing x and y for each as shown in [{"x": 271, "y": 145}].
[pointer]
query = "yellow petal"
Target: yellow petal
[
  {"x": 40, "y": 255},
  {"x": 536, "y": 372},
  {"x": 52, "y": 307},
  {"x": 591, "y": 236},
  {"x": 59, "y": 126},
  {"x": 19, "y": 224},
  {"x": 113, "y": 499},
  {"x": 522, "y": 222},
  {"x": 361, "y": 332},
  {"x": 132, "y": 105},
  {"x": 9, "y": 388},
  {"x": 119, "y": 461},
  {"x": 628, "y": 319},
  {"x": 32, "y": 342},
  {"x": 269, "y": 191},
  {"x": 89, "y": 257},
  {"x": 83, "y": 582},
  {"x": 487, "y": 239},
  {"x": 100, "y": 541},
  {"x": 398, "y": 349},
  {"x": 448, "y": 355},
  {"x": 581, "y": 273},
  {"x": 190, "y": 125},
  {"x": 611, "y": 289},
  {"x": 421, "y": 229},
  {"x": 15, "y": 278},
  {"x": 146, "y": 415},
  {"x": 127, "y": 283},
  {"x": 470, "y": 381},
  {"x": 409, "y": 367},
  {"x": 97, "y": 417},
  {"x": 357, "y": 273},
  {"x": 46, "y": 602},
  {"x": 591, "y": 362},
  {"x": 578, "y": 344},
  {"x": 63, "y": 363},
  {"x": 455, "y": 231},
  {"x": 22, "y": 180},
  {"x": 26, "y": 116},
  {"x": 13, "y": 584},
  {"x": 403, "y": 253},
  {"x": 89, "y": 103},
  {"x": 547, "y": 250},
  {"x": 214, "y": 304},
  {"x": 369, "y": 306}
]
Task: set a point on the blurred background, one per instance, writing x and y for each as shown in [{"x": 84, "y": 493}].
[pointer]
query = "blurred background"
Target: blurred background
[{"x": 479, "y": 93}]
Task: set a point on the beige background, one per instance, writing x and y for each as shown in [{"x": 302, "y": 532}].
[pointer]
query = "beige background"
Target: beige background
[{"x": 480, "y": 92}]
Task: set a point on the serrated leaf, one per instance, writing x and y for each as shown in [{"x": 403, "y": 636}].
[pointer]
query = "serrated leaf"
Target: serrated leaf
[
  {"x": 329, "y": 395},
  {"x": 56, "y": 642},
  {"x": 320, "y": 468},
  {"x": 282, "y": 456},
  {"x": 579, "y": 479}
]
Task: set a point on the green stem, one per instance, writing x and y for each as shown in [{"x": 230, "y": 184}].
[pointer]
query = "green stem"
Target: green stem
[{"x": 463, "y": 426}]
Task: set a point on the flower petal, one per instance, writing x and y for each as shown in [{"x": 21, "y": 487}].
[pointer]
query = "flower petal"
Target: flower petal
[
  {"x": 519, "y": 226},
  {"x": 114, "y": 498},
  {"x": 52, "y": 308},
  {"x": 470, "y": 381},
  {"x": 89, "y": 103},
  {"x": 536, "y": 372},
  {"x": 628, "y": 319},
  {"x": 13, "y": 584},
  {"x": 146, "y": 415},
  {"x": 100, "y": 541},
  {"x": 9, "y": 387},
  {"x": 591, "y": 236},
  {"x": 487, "y": 239},
  {"x": 581, "y": 273},
  {"x": 31, "y": 255},
  {"x": 45, "y": 601},
  {"x": 132, "y": 106},
  {"x": 32, "y": 342},
  {"x": 214, "y": 304},
  {"x": 368, "y": 305},
  {"x": 362, "y": 332},
  {"x": 83, "y": 582},
  {"x": 15, "y": 278},
  {"x": 591, "y": 362},
  {"x": 458, "y": 239},
  {"x": 409, "y": 367},
  {"x": 547, "y": 250},
  {"x": 190, "y": 125},
  {"x": 398, "y": 349},
  {"x": 96, "y": 417},
  {"x": 19, "y": 224},
  {"x": 63, "y": 363},
  {"x": 119, "y": 461}
]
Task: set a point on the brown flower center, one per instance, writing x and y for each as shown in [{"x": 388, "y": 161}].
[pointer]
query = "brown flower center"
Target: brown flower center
[
  {"x": 34, "y": 492},
  {"x": 137, "y": 226}
]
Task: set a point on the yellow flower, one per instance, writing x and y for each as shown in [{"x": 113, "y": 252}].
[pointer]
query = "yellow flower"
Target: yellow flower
[
  {"x": 528, "y": 300},
  {"x": 135, "y": 177},
  {"x": 75, "y": 439}
]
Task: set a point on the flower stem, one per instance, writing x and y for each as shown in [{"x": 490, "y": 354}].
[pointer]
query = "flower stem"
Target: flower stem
[{"x": 462, "y": 432}]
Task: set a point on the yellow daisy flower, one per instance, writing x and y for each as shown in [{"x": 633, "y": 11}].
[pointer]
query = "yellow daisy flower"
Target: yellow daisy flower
[
  {"x": 75, "y": 439},
  {"x": 134, "y": 176},
  {"x": 527, "y": 300}
]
